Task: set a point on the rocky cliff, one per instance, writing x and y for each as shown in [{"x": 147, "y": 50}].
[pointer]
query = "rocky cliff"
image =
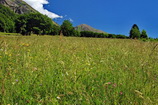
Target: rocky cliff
[{"x": 18, "y": 6}]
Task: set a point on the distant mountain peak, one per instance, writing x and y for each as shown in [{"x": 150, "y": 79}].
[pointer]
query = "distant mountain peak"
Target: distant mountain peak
[{"x": 85, "y": 27}]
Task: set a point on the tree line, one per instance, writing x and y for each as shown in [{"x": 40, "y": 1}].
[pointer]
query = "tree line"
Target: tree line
[
  {"x": 68, "y": 30},
  {"x": 136, "y": 34},
  {"x": 36, "y": 23},
  {"x": 26, "y": 24}
]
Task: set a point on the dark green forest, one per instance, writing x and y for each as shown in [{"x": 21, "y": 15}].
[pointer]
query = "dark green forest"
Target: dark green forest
[
  {"x": 36, "y": 23},
  {"x": 26, "y": 24},
  {"x": 7, "y": 19}
]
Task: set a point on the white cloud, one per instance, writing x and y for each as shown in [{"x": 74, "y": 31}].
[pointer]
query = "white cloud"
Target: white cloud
[
  {"x": 38, "y": 5},
  {"x": 71, "y": 20}
]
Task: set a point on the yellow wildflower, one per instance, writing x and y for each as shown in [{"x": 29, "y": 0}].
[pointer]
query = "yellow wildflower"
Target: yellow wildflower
[
  {"x": 27, "y": 45},
  {"x": 10, "y": 55},
  {"x": 6, "y": 53}
]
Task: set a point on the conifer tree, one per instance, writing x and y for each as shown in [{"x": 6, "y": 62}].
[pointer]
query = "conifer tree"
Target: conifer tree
[{"x": 134, "y": 32}]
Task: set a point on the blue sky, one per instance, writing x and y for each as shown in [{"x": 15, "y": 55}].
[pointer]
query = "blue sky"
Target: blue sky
[{"x": 112, "y": 16}]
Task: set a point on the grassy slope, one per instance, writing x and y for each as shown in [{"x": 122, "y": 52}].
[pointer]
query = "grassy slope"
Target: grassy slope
[
  {"x": 8, "y": 34},
  {"x": 65, "y": 70}
]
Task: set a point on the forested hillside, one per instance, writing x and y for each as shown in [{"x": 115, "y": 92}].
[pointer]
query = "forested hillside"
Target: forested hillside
[
  {"x": 24, "y": 23},
  {"x": 7, "y": 18}
]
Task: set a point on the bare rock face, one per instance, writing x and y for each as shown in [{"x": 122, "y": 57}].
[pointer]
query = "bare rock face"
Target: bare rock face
[{"x": 18, "y": 6}]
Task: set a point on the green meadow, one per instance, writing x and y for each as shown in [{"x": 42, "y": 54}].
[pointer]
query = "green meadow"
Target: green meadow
[{"x": 55, "y": 70}]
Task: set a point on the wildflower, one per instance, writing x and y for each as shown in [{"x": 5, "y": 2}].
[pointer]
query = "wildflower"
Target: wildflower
[
  {"x": 114, "y": 85},
  {"x": 27, "y": 45},
  {"x": 16, "y": 80},
  {"x": 109, "y": 83},
  {"x": 35, "y": 69},
  {"x": 10, "y": 55},
  {"x": 67, "y": 73},
  {"x": 23, "y": 44},
  {"x": 58, "y": 98},
  {"x": 121, "y": 93},
  {"x": 6, "y": 53}
]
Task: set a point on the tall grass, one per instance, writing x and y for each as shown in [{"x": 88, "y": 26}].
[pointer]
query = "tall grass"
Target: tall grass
[{"x": 84, "y": 71}]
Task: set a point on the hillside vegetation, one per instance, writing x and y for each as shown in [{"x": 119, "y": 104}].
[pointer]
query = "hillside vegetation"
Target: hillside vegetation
[
  {"x": 83, "y": 71},
  {"x": 7, "y": 18},
  {"x": 25, "y": 24},
  {"x": 36, "y": 23}
]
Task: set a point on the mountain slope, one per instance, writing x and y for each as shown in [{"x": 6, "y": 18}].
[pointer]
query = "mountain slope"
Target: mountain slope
[
  {"x": 18, "y": 6},
  {"x": 85, "y": 27}
]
